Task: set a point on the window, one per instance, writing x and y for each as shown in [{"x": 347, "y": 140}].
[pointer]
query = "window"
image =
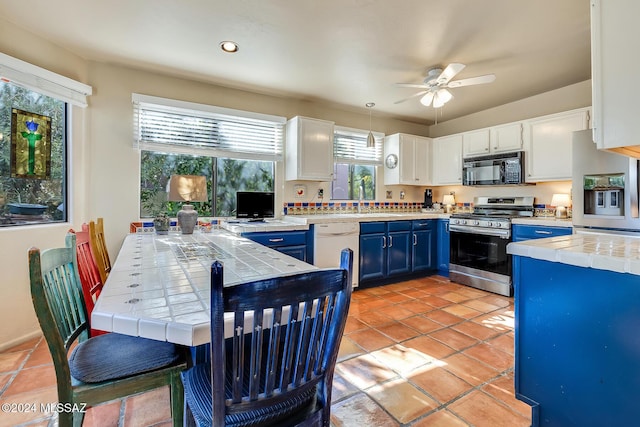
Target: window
[
  {"x": 235, "y": 150},
  {"x": 33, "y": 142},
  {"x": 355, "y": 164}
]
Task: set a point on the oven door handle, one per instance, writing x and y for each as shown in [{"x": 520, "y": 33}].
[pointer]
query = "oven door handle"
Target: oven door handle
[{"x": 505, "y": 234}]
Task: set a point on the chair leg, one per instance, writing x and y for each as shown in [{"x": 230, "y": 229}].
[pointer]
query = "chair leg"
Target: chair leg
[
  {"x": 66, "y": 419},
  {"x": 177, "y": 400}
]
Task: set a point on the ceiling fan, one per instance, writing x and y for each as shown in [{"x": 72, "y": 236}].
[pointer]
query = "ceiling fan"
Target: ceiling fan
[{"x": 437, "y": 82}]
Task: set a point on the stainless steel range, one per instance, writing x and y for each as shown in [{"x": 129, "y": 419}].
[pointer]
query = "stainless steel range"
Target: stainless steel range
[{"x": 478, "y": 251}]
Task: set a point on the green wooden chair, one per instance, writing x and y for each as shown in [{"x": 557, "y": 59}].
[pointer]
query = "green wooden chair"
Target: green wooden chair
[{"x": 102, "y": 368}]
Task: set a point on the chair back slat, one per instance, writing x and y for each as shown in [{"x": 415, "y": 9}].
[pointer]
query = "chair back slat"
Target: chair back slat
[{"x": 290, "y": 344}]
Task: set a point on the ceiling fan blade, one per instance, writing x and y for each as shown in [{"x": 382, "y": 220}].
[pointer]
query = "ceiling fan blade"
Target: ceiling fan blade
[
  {"x": 419, "y": 86},
  {"x": 450, "y": 72},
  {"x": 412, "y": 96},
  {"x": 488, "y": 78}
]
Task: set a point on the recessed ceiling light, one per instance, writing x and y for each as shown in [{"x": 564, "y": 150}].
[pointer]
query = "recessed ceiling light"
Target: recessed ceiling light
[{"x": 229, "y": 46}]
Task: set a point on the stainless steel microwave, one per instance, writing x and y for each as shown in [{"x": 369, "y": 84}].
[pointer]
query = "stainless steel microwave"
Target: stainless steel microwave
[{"x": 498, "y": 169}]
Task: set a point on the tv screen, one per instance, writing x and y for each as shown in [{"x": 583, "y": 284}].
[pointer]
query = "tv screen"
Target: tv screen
[{"x": 254, "y": 205}]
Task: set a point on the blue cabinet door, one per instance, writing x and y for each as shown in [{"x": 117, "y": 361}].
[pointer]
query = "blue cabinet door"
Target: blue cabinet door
[
  {"x": 398, "y": 252},
  {"x": 423, "y": 249},
  {"x": 443, "y": 247},
  {"x": 372, "y": 256}
]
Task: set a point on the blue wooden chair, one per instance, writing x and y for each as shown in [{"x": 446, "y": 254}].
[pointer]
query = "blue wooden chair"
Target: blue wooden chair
[
  {"x": 102, "y": 368},
  {"x": 277, "y": 369}
]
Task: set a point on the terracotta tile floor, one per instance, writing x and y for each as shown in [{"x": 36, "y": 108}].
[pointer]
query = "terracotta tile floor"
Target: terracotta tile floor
[{"x": 424, "y": 352}]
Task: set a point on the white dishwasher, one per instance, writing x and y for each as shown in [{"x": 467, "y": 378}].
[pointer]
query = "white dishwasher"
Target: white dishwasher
[{"x": 329, "y": 239}]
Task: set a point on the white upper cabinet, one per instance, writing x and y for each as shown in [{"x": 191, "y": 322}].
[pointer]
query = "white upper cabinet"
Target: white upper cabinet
[
  {"x": 496, "y": 139},
  {"x": 407, "y": 160},
  {"x": 548, "y": 144},
  {"x": 505, "y": 138},
  {"x": 476, "y": 143},
  {"x": 615, "y": 70},
  {"x": 447, "y": 160},
  {"x": 309, "y": 149}
]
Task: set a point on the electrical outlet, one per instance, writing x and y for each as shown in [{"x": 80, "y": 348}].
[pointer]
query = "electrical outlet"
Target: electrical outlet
[{"x": 320, "y": 193}]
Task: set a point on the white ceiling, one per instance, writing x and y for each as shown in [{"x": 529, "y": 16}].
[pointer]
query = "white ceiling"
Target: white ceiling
[{"x": 344, "y": 52}]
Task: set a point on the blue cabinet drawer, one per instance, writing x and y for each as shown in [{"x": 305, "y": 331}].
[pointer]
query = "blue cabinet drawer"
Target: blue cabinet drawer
[
  {"x": 373, "y": 227},
  {"x": 399, "y": 225},
  {"x": 424, "y": 224},
  {"x": 528, "y": 232},
  {"x": 275, "y": 239}
]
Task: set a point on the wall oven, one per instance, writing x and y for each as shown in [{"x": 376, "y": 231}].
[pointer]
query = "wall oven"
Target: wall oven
[{"x": 478, "y": 243}]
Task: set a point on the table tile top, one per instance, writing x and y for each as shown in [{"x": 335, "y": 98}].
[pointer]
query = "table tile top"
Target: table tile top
[
  {"x": 602, "y": 251},
  {"x": 159, "y": 286}
]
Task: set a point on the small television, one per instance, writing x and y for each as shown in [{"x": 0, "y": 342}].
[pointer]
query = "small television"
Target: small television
[{"x": 254, "y": 205}]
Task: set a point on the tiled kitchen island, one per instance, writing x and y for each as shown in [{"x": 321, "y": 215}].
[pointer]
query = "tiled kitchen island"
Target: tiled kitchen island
[{"x": 577, "y": 312}]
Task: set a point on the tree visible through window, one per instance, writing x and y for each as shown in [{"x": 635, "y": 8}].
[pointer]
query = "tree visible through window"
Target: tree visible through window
[{"x": 38, "y": 193}]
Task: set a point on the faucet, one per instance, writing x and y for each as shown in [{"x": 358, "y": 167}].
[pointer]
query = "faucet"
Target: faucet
[{"x": 360, "y": 196}]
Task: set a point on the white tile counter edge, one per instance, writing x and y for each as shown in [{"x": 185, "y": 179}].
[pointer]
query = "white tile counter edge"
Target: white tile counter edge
[
  {"x": 600, "y": 251},
  {"x": 302, "y": 222}
]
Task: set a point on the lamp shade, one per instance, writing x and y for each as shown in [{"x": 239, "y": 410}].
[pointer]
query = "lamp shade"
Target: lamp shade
[
  {"x": 561, "y": 200},
  {"x": 448, "y": 199},
  {"x": 188, "y": 188},
  {"x": 441, "y": 97}
]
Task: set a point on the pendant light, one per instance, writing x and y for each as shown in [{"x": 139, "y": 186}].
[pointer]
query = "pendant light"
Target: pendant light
[{"x": 371, "y": 140}]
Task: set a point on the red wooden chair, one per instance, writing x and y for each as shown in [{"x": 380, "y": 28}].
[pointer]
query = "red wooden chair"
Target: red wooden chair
[{"x": 89, "y": 274}]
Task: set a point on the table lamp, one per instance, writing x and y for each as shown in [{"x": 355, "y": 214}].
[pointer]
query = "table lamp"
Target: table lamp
[
  {"x": 187, "y": 188},
  {"x": 561, "y": 201},
  {"x": 448, "y": 200}
]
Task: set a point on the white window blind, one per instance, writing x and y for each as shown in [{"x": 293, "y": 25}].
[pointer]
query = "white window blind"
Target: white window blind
[
  {"x": 350, "y": 146},
  {"x": 167, "y": 125},
  {"x": 43, "y": 81}
]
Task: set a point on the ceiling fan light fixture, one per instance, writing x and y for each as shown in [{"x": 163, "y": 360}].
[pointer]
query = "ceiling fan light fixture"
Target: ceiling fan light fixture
[
  {"x": 441, "y": 97},
  {"x": 371, "y": 140},
  {"x": 427, "y": 99}
]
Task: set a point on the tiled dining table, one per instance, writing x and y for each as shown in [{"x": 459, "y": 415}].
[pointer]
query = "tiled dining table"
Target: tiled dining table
[{"x": 159, "y": 285}]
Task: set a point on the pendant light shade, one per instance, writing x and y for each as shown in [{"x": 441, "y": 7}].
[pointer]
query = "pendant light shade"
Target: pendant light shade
[{"x": 371, "y": 140}]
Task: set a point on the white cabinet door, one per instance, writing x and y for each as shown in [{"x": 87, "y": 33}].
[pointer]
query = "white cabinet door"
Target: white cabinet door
[
  {"x": 414, "y": 160},
  {"x": 548, "y": 157},
  {"x": 309, "y": 150},
  {"x": 422, "y": 160},
  {"x": 506, "y": 138},
  {"x": 475, "y": 143},
  {"x": 447, "y": 160},
  {"x": 615, "y": 71}
]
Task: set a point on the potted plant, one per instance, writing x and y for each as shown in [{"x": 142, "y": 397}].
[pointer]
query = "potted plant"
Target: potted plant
[{"x": 161, "y": 223}]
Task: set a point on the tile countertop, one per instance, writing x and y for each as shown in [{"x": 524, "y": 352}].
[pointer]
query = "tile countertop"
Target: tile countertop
[{"x": 601, "y": 251}]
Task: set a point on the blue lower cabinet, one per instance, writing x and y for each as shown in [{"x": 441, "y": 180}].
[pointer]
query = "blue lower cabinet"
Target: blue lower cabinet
[
  {"x": 298, "y": 244},
  {"x": 423, "y": 249},
  {"x": 394, "y": 249},
  {"x": 372, "y": 256},
  {"x": 443, "y": 247},
  {"x": 398, "y": 248},
  {"x": 577, "y": 348}
]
